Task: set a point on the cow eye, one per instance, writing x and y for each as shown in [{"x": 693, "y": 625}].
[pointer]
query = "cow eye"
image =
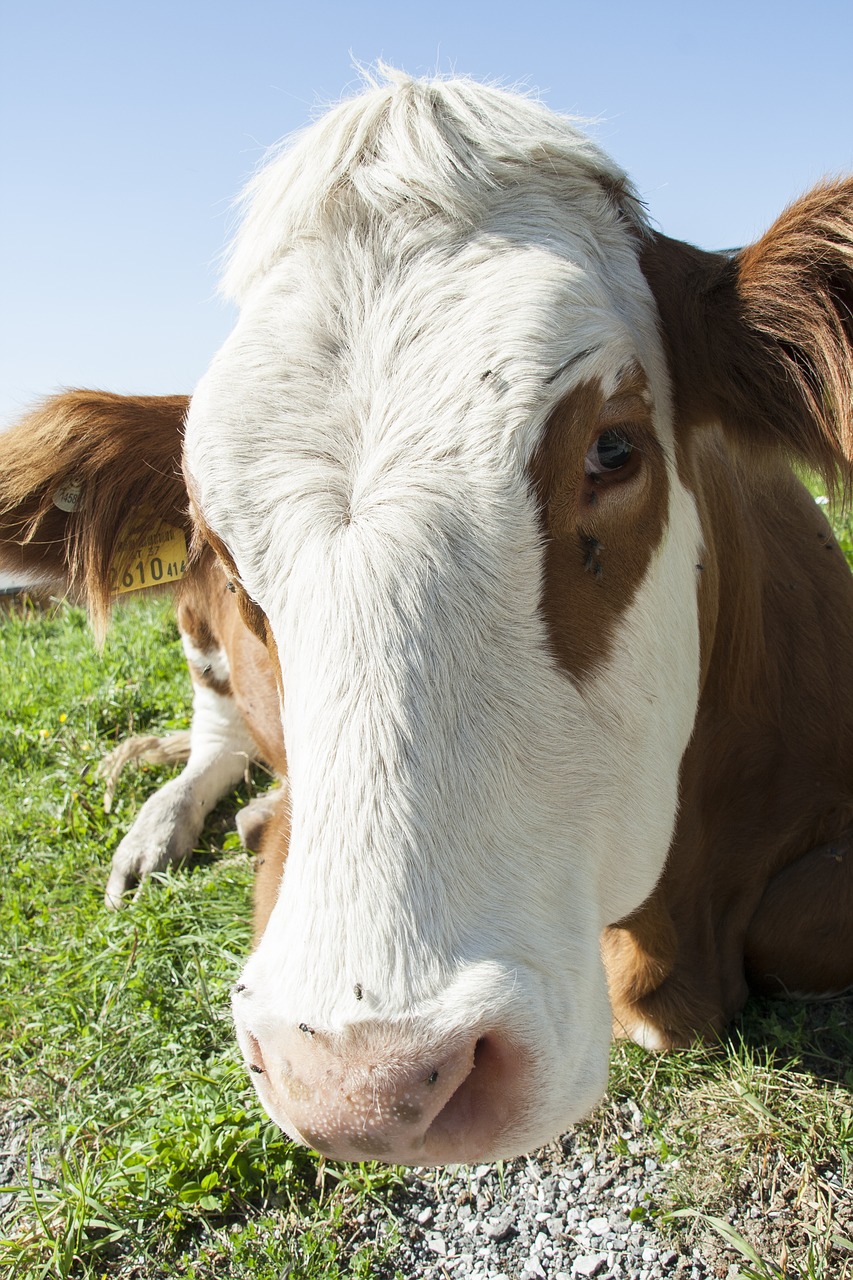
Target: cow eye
[{"x": 608, "y": 454}]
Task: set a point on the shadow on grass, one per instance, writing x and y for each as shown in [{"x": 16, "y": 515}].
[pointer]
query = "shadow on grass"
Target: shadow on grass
[{"x": 810, "y": 1036}]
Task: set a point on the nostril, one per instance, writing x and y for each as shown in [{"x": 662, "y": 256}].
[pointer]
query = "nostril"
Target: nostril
[
  {"x": 486, "y": 1101},
  {"x": 254, "y": 1057}
]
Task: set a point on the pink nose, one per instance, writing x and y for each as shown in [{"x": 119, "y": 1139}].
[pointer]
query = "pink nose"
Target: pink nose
[{"x": 392, "y": 1092}]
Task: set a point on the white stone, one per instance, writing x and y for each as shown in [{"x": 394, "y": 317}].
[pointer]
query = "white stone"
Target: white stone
[
  {"x": 498, "y": 1228},
  {"x": 590, "y": 1265}
]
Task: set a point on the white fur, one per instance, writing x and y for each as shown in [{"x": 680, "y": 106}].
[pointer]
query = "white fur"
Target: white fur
[
  {"x": 647, "y": 1036},
  {"x": 466, "y": 820},
  {"x": 423, "y": 152},
  {"x": 208, "y": 662}
]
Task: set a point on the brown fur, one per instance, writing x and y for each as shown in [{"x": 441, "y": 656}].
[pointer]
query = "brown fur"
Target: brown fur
[
  {"x": 270, "y": 865},
  {"x": 768, "y": 775},
  {"x": 211, "y": 613},
  {"x": 195, "y": 625},
  {"x": 762, "y": 340},
  {"x": 208, "y": 609},
  {"x": 815, "y": 956}
]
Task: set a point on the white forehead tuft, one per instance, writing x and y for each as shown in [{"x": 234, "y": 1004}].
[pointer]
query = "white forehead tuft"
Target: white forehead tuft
[{"x": 428, "y": 152}]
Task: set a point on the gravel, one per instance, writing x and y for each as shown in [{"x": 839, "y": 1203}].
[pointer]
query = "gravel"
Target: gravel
[
  {"x": 22, "y": 1158},
  {"x": 562, "y": 1214}
]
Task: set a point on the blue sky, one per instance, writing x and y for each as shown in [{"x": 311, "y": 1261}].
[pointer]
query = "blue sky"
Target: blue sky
[{"x": 127, "y": 129}]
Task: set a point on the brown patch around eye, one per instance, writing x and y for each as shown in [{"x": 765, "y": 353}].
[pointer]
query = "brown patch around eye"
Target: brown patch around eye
[{"x": 600, "y": 530}]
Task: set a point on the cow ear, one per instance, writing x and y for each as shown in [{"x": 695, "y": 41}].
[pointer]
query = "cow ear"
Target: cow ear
[
  {"x": 762, "y": 339},
  {"x": 73, "y": 473}
]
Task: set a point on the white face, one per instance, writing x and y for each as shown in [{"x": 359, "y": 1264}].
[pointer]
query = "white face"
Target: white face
[{"x": 468, "y": 813}]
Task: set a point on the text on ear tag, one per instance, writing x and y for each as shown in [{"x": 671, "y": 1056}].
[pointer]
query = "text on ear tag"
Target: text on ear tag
[{"x": 151, "y": 553}]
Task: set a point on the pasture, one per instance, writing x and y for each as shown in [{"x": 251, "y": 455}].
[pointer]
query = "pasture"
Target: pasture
[{"x": 131, "y": 1142}]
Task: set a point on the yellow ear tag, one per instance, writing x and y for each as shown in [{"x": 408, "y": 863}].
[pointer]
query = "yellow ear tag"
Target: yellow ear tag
[{"x": 151, "y": 553}]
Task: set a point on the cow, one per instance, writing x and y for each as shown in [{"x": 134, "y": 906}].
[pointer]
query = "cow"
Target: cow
[{"x": 487, "y": 542}]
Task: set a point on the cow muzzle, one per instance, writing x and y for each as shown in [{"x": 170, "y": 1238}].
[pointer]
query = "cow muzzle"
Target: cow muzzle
[{"x": 398, "y": 1092}]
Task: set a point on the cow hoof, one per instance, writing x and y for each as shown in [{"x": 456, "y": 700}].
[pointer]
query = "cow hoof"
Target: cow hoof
[
  {"x": 127, "y": 871},
  {"x": 164, "y": 834},
  {"x": 116, "y": 893}
]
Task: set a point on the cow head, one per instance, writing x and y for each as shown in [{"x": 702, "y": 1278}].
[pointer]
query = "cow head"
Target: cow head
[{"x": 438, "y": 449}]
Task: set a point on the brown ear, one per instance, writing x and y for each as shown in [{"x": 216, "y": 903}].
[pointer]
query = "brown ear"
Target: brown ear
[
  {"x": 105, "y": 457},
  {"x": 762, "y": 339}
]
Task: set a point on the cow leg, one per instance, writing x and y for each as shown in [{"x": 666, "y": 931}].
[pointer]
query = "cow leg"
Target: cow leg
[
  {"x": 666, "y": 988},
  {"x": 664, "y": 993},
  {"x": 800, "y": 940},
  {"x": 170, "y": 822}
]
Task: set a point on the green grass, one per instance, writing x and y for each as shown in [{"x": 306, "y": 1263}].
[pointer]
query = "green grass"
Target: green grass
[
  {"x": 137, "y": 1144},
  {"x": 131, "y": 1139},
  {"x": 757, "y": 1130}
]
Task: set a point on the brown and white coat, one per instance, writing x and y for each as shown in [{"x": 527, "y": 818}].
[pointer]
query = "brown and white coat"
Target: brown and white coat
[{"x": 519, "y": 572}]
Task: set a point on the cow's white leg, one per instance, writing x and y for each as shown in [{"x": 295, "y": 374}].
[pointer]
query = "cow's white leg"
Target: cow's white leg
[{"x": 170, "y": 822}]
